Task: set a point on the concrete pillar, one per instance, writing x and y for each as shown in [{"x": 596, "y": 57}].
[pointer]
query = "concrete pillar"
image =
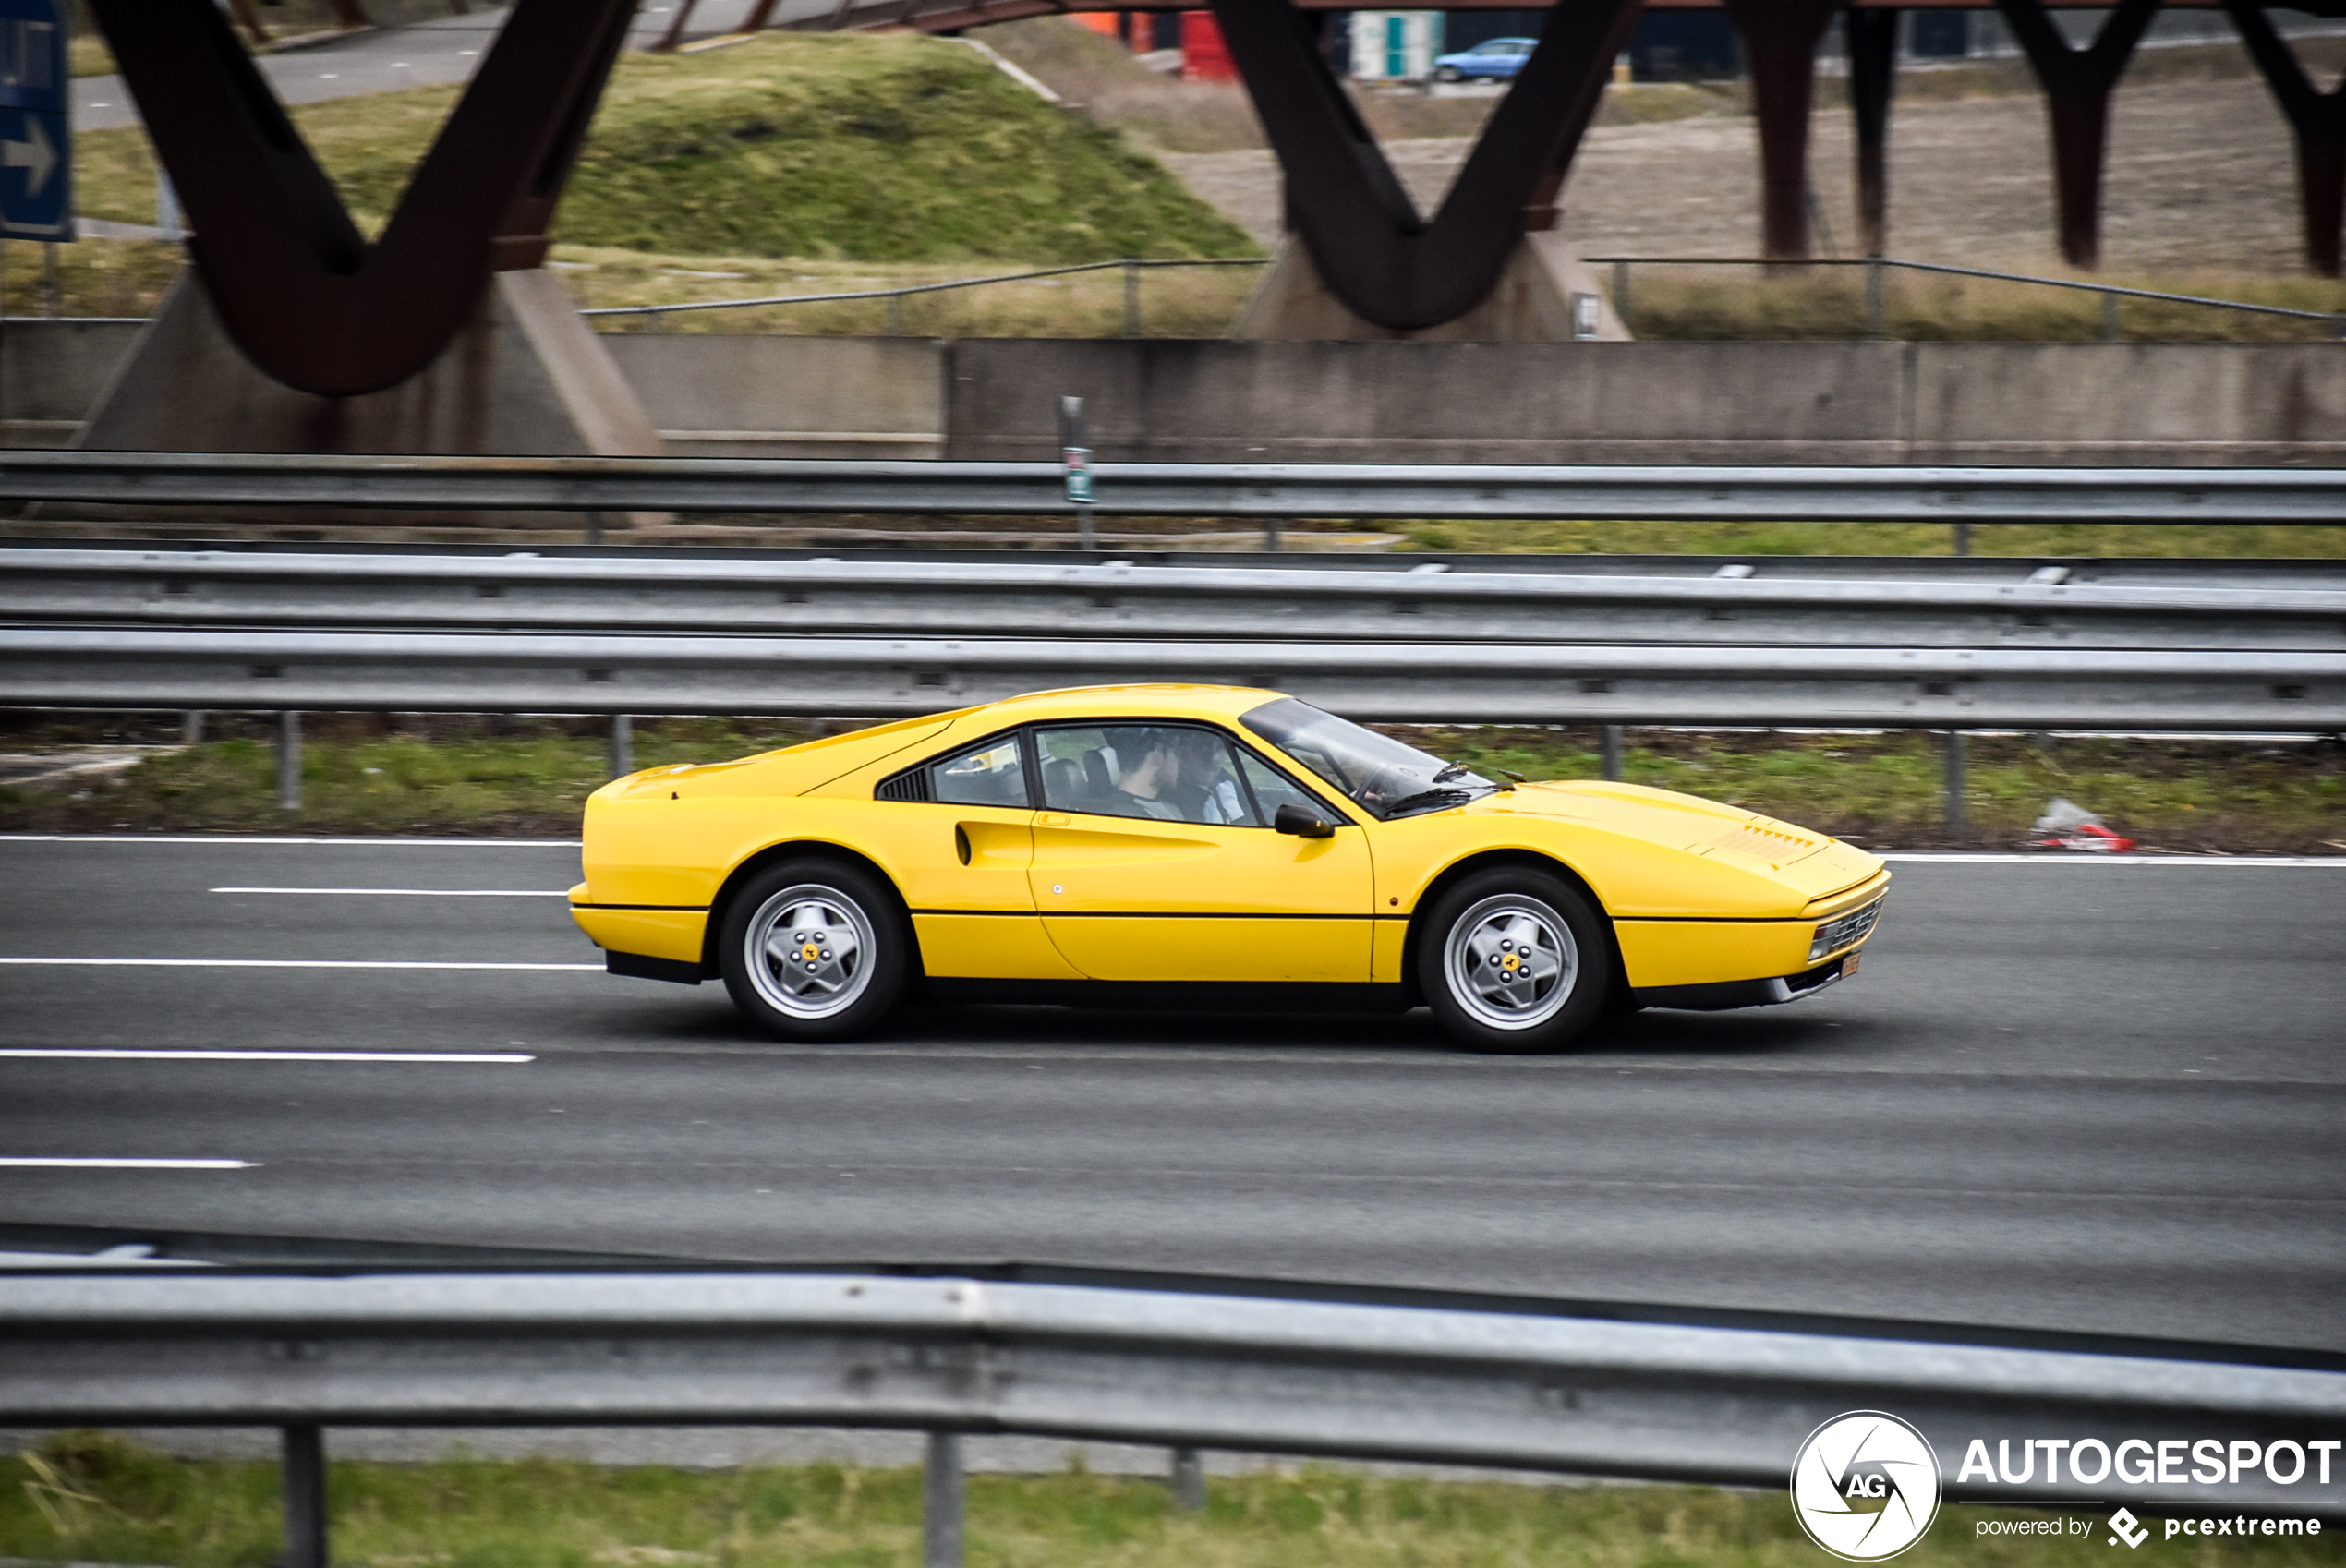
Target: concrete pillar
[
  {"x": 526, "y": 378},
  {"x": 1532, "y": 302}
]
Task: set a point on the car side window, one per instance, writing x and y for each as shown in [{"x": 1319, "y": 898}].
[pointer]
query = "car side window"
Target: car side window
[
  {"x": 993, "y": 774},
  {"x": 1272, "y": 790},
  {"x": 1167, "y": 772}
]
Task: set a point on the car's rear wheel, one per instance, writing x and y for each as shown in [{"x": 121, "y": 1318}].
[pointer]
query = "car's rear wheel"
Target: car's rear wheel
[
  {"x": 815, "y": 950},
  {"x": 1514, "y": 960}
]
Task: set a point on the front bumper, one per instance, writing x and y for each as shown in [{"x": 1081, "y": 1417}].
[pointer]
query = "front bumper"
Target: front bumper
[{"x": 1730, "y": 994}]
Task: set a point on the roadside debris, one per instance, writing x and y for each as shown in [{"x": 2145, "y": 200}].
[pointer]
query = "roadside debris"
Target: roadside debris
[{"x": 2068, "y": 825}]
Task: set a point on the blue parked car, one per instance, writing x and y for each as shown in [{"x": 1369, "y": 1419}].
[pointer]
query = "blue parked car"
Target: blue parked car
[{"x": 1497, "y": 59}]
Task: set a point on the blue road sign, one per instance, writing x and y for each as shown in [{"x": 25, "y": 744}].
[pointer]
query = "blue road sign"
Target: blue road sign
[{"x": 36, "y": 121}]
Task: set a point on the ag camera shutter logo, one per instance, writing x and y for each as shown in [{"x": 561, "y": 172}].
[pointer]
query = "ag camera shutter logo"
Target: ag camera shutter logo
[{"x": 1865, "y": 1486}]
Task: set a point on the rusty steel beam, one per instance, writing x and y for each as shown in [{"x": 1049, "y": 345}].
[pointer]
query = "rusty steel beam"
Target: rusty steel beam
[
  {"x": 247, "y": 16},
  {"x": 301, "y": 292},
  {"x": 1387, "y": 263},
  {"x": 2318, "y": 121},
  {"x": 2077, "y": 83},
  {"x": 1780, "y": 40},
  {"x": 1873, "y": 75}
]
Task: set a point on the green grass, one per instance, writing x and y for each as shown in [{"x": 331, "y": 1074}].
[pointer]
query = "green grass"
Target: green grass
[
  {"x": 871, "y": 148},
  {"x": 1887, "y": 790},
  {"x": 459, "y": 775},
  {"x": 1746, "y": 302},
  {"x": 1601, "y": 537},
  {"x": 91, "y": 1497},
  {"x": 477, "y": 776}
]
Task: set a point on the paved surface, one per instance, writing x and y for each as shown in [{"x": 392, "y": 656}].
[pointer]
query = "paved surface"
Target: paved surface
[
  {"x": 383, "y": 60},
  {"x": 2199, "y": 175},
  {"x": 2085, "y": 1096}
]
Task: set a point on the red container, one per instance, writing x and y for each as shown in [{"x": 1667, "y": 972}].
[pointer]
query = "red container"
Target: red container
[{"x": 1204, "y": 57}]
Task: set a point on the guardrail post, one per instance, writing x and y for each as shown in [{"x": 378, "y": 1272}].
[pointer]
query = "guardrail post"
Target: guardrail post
[
  {"x": 1188, "y": 1481},
  {"x": 1271, "y": 539},
  {"x": 895, "y": 314},
  {"x": 1963, "y": 538},
  {"x": 1611, "y": 751},
  {"x": 1957, "y": 813},
  {"x": 1621, "y": 291},
  {"x": 622, "y": 744},
  {"x": 1131, "y": 299},
  {"x": 191, "y": 727},
  {"x": 1075, "y": 467},
  {"x": 1873, "y": 297},
  {"x": 941, "y": 1498},
  {"x": 304, "y": 1479},
  {"x": 2108, "y": 316},
  {"x": 289, "y": 761}
]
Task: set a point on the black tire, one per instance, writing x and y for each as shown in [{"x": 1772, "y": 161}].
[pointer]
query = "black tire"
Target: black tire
[
  {"x": 1447, "y": 73},
  {"x": 1517, "y": 924},
  {"x": 842, "y": 988}
]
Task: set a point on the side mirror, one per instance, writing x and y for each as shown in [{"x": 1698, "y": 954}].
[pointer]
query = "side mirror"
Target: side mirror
[{"x": 1302, "y": 823}]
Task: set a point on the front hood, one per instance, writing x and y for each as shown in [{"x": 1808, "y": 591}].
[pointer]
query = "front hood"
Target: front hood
[{"x": 1813, "y": 864}]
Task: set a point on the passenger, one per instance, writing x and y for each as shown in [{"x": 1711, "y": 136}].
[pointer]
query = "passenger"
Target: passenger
[{"x": 1148, "y": 782}]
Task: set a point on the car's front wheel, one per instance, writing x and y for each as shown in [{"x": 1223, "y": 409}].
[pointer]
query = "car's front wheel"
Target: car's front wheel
[
  {"x": 1447, "y": 73},
  {"x": 1514, "y": 960},
  {"x": 815, "y": 950}
]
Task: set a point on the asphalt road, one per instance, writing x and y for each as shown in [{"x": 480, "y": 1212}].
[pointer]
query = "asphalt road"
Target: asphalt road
[{"x": 2086, "y": 1095}]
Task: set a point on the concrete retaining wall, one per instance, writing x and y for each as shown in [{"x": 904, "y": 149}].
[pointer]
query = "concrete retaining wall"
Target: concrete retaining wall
[{"x": 1175, "y": 400}]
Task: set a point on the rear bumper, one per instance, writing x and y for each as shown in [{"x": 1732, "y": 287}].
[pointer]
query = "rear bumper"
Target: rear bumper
[{"x": 1744, "y": 992}]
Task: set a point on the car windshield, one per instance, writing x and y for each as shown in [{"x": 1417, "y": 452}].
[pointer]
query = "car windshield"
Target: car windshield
[{"x": 1377, "y": 773}]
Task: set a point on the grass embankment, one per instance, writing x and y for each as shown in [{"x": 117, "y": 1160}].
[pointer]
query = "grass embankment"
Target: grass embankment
[
  {"x": 1714, "y": 303},
  {"x": 891, "y": 149},
  {"x": 2027, "y": 540},
  {"x": 374, "y": 774},
  {"x": 96, "y": 1498}
]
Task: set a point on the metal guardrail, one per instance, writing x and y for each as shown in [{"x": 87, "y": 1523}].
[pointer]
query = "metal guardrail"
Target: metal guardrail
[
  {"x": 1421, "y": 682},
  {"x": 1659, "y": 1401},
  {"x": 1399, "y": 603},
  {"x": 1883, "y": 494}
]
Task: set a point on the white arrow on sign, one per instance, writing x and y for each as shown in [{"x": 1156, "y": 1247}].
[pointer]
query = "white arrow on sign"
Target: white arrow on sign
[{"x": 38, "y": 156}]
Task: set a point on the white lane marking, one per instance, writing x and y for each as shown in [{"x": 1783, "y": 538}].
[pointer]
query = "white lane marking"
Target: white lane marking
[
  {"x": 259, "y": 838},
  {"x": 288, "y": 963},
  {"x": 2057, "y": 857},
  {"x": 410, "y": 892},
  {"x": 150, "y": 1053},
  {"x": 47, "y": 1162}
]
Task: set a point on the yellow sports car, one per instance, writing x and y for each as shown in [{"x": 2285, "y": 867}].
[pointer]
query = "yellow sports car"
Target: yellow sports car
[{"x": 1155, "y": 840}]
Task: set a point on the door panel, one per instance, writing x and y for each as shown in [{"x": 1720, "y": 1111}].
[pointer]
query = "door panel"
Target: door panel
[
  {"x": 975, "y": 920},
  {"x": 1140, "y": 900}
]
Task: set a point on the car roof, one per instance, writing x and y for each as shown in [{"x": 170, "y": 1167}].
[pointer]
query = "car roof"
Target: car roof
[{"x": 1160, "y": 700}]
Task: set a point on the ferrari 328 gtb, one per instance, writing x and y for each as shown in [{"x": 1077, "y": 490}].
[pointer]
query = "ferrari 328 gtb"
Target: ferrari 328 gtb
[{"x": 1150, "y": 841}]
